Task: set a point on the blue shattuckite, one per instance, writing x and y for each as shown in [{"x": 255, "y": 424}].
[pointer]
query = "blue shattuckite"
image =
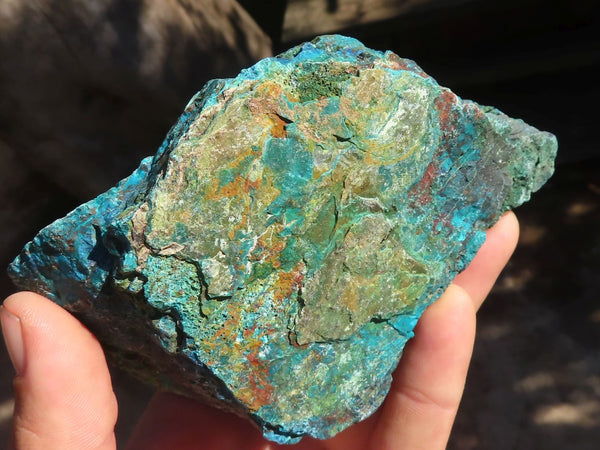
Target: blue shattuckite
[{"x": 275, "y": 255}]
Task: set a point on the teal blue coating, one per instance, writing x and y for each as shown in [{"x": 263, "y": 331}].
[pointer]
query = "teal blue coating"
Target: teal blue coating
[{"x": 275, "y": 255}]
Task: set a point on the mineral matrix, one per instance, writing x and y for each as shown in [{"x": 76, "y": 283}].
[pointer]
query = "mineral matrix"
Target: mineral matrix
[{"x": 275, "y": 255}]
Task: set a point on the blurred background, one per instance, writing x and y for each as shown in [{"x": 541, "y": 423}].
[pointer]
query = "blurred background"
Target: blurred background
[{"x": 89, "y": 87}]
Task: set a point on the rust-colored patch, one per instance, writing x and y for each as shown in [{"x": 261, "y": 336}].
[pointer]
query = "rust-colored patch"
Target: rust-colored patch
[
  {"x": 261, "y": 392},
  {"x": 230, "y": 326},
  {"x": 394, "y": 62},
  {"x": 251, "y": 184},
  {"x": 288, "y": 282},
  {"x": 269, "y": 245},
  {"x": 278, "y": 129},
  {"x": 232, "y": 189},
  {"x": 422, "y": 190},
  {"x": 267, "y": 103},
  {"x": 444, "y": 104}
]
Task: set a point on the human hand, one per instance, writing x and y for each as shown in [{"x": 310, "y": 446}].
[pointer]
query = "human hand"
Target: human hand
[{"x": 64, "y": 397}]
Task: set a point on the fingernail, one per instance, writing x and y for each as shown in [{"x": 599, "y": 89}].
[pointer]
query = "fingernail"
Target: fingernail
[{"x": 13, "y": 338}]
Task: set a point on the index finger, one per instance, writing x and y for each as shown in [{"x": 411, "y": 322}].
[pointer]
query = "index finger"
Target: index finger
[{"x": 479, "y": 277}]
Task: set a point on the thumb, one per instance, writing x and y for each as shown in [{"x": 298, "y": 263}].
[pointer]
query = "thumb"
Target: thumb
[{"x": 63, "y": 392}]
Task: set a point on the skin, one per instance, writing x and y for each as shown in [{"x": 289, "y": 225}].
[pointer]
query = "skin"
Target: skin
[{"x": 64, "y": 397}]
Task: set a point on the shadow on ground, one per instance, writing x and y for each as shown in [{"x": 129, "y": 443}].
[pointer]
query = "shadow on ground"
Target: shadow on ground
[{"x": 534, "y": 381}]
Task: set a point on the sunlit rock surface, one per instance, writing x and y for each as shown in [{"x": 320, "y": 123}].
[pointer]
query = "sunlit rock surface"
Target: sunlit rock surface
[{"x": 275, "y": 255}]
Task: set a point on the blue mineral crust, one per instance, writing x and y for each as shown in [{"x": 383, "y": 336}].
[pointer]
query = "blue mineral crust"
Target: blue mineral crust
[{"x": 275, "y": 255}]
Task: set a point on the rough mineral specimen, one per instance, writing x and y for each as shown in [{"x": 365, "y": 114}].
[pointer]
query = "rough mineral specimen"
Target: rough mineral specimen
[{"x": 274, "y": 256}]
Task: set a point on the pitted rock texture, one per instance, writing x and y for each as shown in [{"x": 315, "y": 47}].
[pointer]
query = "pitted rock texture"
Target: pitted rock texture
[{"x": 275, "y": 255}]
